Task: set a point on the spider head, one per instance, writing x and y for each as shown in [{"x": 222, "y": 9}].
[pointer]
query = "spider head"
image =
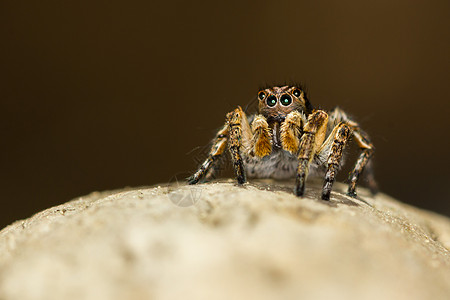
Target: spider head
[{"x": 276, "y": 103}]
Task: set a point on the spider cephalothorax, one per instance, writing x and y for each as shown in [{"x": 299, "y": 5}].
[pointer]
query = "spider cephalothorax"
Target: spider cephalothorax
[
  {"x": 277, "y": 102},
  {"x": 287, "y": 138}
]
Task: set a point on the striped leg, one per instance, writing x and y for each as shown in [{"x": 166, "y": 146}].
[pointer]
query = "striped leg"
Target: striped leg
[
  {"x": 262, "y": 137},
  {"x": 218, "y": 148},
  {"x": 312, "y": 138},
  {"x": 290, "y": 132},
  {"x": 238, "y": 129},
  {"x": 335, "y": 145},
  {"x": 367, "y": 150},
  {"x": 363, "y": 161},
  {"x": 370, "y": 177}
]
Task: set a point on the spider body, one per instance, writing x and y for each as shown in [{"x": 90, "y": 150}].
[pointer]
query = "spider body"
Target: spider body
[{"x": 288, "y": 138}]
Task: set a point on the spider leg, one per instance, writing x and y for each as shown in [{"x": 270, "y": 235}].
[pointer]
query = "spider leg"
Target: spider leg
[
  {"x": 239, "y": 136},
  {"x": 312, "y": 138},
  {"x": 217, "y": 149},
  {"x": 367, "y": 150},
  {"x": 262, "y": 137},
  {"x": 334, "y": 144},
  {"x": 371, "y": 182},
  {"x": 290, "y": 132},
  {"x": 215, "y": 169},
  {"x": 235, "y": 133}
]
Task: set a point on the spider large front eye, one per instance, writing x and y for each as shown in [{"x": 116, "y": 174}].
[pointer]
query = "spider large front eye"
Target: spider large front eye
[
  {"x": 261, "y": 95},
  {"x": 286, "y": 100},
  {"x": 271, "y": 101}
]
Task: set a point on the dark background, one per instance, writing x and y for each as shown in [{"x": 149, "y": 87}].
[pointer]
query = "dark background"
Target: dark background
[{"x": 99, "y": 95}]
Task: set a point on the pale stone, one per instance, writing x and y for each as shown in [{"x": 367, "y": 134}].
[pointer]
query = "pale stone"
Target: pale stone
[{"x": 222, "y": 241}]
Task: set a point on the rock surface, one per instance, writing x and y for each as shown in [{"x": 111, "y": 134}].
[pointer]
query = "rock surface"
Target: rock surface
[{"x": 221, "y": 241}]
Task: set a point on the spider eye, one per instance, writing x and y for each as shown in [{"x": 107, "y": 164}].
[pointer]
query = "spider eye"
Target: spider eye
[
  {"x": 297, "y": 93},
  {"x": 261, "y": 95},
  {"x": 271, "y": 101},
  {"x": 286, "y": 100}
]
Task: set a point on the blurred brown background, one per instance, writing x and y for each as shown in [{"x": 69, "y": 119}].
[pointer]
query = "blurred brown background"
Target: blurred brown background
[{"x": 98, "y": 95}]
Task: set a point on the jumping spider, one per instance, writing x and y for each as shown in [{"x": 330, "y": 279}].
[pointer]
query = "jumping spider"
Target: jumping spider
[{"x": 287, "y": 138}]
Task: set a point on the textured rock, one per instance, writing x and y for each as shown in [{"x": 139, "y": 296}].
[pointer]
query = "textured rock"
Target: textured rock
[{"x": 221, "y": 241}]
